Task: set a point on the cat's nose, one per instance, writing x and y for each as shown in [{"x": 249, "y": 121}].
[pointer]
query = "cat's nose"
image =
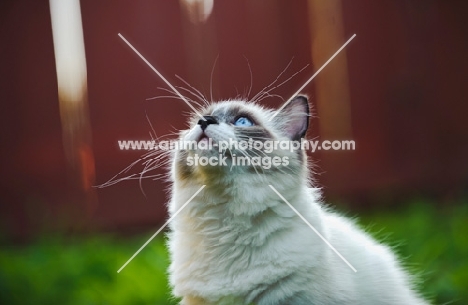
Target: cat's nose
[{"x": 209, "y": 120}]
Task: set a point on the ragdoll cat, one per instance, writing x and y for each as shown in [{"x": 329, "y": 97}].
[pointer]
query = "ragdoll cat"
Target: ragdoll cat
[{"x": 238, "y": 242}]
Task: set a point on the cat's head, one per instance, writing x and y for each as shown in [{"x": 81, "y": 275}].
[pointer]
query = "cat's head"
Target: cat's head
[{"x": 238, "y": 137}]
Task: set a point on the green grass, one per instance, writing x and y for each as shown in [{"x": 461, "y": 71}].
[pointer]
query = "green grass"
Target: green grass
[
  {"x": 433, "y": 242},
  {"x": 58, "y": 270},
  {"x": 84, "y": 271}
]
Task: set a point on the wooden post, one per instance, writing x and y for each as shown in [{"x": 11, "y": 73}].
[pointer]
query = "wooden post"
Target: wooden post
[
  {"x": 70, "y": 64},
  {"x": 332, "y": 91},
  {"x": 332, "y": 88}
]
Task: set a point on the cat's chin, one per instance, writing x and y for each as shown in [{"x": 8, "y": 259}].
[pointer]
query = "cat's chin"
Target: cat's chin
[
  {"x": 203, "y": 140},
  {"x": 205, "y": 153}
]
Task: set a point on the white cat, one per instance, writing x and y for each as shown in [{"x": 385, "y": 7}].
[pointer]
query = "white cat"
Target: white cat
[{"x": 238, "y": 242}]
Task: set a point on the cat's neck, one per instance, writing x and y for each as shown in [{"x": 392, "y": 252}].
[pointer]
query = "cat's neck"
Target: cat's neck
[{"x": 246, "y": 195}]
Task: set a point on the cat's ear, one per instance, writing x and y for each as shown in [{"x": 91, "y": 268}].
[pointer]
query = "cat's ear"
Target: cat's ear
[{"x": 293, "y": 119}]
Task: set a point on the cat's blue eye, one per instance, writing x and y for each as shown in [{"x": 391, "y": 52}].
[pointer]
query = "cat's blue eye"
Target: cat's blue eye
[{"x": 243, "y": 122}]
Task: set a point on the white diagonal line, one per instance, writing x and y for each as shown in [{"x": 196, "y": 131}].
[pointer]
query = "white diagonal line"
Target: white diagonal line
[
  {"x": 312, "y": 77},
  {"x": 161, "y": 76},
  {"x": 160, "y": 229},
  {"x": 313, "y": 229}
]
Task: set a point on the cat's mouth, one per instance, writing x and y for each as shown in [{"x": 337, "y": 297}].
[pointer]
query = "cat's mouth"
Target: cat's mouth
[{"x": 203, "y": 137}]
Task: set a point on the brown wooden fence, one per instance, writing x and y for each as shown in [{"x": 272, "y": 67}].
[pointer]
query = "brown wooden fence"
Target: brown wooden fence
[{"x": 398, "y": 90}]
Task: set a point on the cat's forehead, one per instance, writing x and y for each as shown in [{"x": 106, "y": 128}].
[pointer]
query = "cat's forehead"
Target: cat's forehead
[{"x": 228, "y": 109}]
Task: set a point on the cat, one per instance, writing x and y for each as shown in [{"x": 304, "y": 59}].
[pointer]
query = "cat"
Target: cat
[{"x": 238, "y": 242}]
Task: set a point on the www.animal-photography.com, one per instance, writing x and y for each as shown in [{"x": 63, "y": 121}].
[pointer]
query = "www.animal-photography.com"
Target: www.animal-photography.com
[{"x": 251, "y": 152}]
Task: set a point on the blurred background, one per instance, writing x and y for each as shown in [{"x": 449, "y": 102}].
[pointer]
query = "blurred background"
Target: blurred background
[{"x": 397, "y": 90}]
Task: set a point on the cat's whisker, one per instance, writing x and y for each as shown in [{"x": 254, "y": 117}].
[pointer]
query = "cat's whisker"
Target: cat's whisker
[
  {"x": 163, "y": 97},
  {"x": 178, "y": 97},
  {"x": 153, "y": 165},
  {"x": 274, "y": 81},
  {"x": 134, "y": 177},
  {"x": 187, "y": 114},
  {"x": 247, "y": 138},
  {"x": 245, "y": 134},
  {"x": 260, "y": 166},
  {"x": 312, "y": 77},
  {"x": 169, "y": 91},
  {"x": 211, "y": 78},
  {"x": 238, "y": 96},
  {"x": 251, "y": 77},
  {"x": 199, "y": 94},
  {"x": 266, "y": 93},
  {"x": 289, "y": 78},
  {"x": 261, "y": 154},
  {"x": 254, "y": 167},
  {"x": 194, "y": 94},
  {"x": 142, "y": 174},
  {"x": 111, "y": 181},
  {"x": 150, "y": 161},
  {"x": 263, "y": 177},
  {"x": 151, "y": 126},
  {"x": 160, "y": 75},
  {"x": 156, "y": 155}
]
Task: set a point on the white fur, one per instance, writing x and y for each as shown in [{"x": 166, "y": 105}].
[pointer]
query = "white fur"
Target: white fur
[{"x": 237, "y": 242}]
